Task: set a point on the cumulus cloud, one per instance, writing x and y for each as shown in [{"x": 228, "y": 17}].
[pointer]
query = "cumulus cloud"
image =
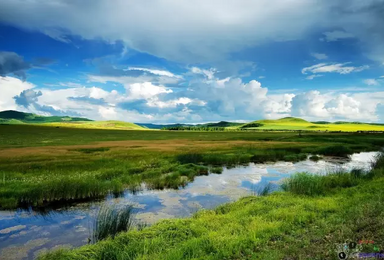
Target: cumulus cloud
[
  {"x": 145, "y": 90},
  {"x": 314, "y": 105},
  {"x": 319, "y": 56},
  {"x": 27, "y": 97},
  {"x": 202, "y": 31},
  {"x": 29, "y": 100},
  {"x": 201, "y": 101},
  {"x": 9, "y": 88},
  {"x": 340, "y": 68}
]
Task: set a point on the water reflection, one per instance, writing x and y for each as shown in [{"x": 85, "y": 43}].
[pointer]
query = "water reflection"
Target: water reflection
[{"x": 26, "y": 233}]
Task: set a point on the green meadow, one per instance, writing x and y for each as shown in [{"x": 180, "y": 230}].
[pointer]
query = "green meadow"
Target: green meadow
[{"x": 41, "y": 165}]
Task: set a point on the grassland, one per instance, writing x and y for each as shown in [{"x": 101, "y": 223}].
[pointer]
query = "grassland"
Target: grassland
[
  {"x": 111, "y": 124},
  {"x": 305, "y": 221},
  {"x": 291, "y": 123},
  {"x": 43, "y": 165},
  {"x": 11, "y": 117}
]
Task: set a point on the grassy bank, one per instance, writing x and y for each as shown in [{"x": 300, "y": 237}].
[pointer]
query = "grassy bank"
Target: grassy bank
[
  {"x": 44, "y": 165},
  {"x": 303, "y": 222}
]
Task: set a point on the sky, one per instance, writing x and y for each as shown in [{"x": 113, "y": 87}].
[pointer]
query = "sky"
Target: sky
[{"x": 168, "y": 61}]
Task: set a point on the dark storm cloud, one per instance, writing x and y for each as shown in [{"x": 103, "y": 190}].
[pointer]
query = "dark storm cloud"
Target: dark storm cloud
[{"x": 12, "y": 63}]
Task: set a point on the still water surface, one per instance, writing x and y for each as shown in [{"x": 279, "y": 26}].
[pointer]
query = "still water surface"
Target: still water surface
[{"x": 24, "y": 234}]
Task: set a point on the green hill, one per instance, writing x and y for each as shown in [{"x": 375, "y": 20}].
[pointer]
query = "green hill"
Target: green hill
[
  {"x": 209, "y": 125},
  {"x": 9, "y": 116},
  {"x": 220, "y": 124},
  {"x": 111, "y": 124},
  {"x": 15, "y": 117},
  {"x": 293, "y": 123}
]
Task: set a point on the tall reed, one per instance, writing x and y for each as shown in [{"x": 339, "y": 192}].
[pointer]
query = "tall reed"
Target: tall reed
[{"x": 111, "y": 220}]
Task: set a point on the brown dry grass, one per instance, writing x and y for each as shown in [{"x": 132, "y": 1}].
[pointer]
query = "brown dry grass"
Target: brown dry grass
[{"x": 153, "y": 145}]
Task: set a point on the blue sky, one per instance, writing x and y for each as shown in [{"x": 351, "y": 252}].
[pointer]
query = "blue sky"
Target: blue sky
[{"x": 173, "y": 61}]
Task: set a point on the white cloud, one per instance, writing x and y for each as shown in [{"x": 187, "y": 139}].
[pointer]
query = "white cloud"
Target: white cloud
[
  {"x": 371, "y": 82},
  {"x": 155, "y": 102},
  {"x": 333, "y": 68},
  {"x": 214, "y": 100},
  {"x": 145, "y": 90},
  {"x": 108, "y": 113},
  {"x": 337, "y": 35},
  {"x": 261, "y": 77},
  {"x": 311, "y": 77},
  {"x": 70, "y": 84},
  {"x": 131, "y": 79},
  {"x": 319, "y": 56},
  {"x": 9, "y": 88},
  {"x": 314, "y": 105},
  {"x": 209, "y": 74},
  {"x": 221, "y": 82},
  {"x": 156, "y": 72}
]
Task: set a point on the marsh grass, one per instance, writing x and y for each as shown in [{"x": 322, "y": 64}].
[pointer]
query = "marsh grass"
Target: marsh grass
[
  {"x": 111, "y": 220},
  {"x": 217, "y": 170},
  {"x": 313, "y": 184},
  {"x": 70, "y": 175},
  {"x": 336, "y": 150},
  {"x": 264, "y": 191},
  {"x": 315, "y": 158}
]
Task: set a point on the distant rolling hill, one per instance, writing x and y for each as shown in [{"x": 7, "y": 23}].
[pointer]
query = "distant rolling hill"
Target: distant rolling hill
[
  {"x": 21, "y": 117},
  {"x": 293, "y": 123},
  {"x": 16, "y": 117},
  {"x": 287, "y": 123},
  {"x": 221, "y": 124},
  {"x": 218, "y": 124},
  {"x": 160, "y": 126}
]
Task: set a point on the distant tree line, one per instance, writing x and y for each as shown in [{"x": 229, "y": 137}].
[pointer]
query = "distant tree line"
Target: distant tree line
[
  {"x": 252, "y": 125},
  {"x": 194, "y": 128},
  {"x": 222, "y": 129}
]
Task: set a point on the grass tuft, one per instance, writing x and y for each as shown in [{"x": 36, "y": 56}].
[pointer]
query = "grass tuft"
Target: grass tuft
[
  {"x": 315, "y": 158},
  {"x": 112, "y": 220},
  {"x": 264, "y": 191}
]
